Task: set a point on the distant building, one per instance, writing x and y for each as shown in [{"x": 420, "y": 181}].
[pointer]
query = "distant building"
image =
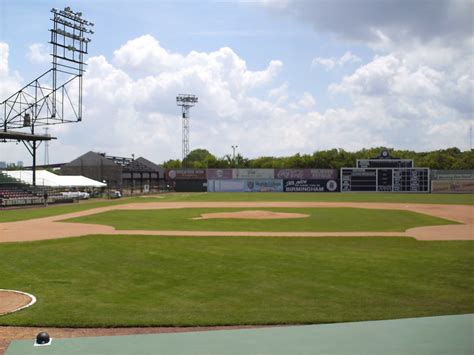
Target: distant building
[
  {"x": 19, "y": 164},
  {"x": 128, "y": 175},
  {"x": 3, "y": 164}
]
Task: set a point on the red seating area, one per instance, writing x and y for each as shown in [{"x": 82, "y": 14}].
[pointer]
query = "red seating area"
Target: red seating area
[
  {"x": 14, "y": 193},
  {"x": 12, "y": 196}
]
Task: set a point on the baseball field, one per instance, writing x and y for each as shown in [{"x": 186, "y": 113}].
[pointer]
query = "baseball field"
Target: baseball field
[{"x": 239, "y": 259}]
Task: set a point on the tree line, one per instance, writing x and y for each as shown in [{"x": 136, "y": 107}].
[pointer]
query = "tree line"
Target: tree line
[{"x": 451, "y": 158}]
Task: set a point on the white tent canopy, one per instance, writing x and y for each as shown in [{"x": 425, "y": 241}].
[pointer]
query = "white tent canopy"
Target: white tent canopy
[{"x": 46, "y": 178}]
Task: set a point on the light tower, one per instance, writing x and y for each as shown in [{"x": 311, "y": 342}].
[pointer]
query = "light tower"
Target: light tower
[
  {"x": 55, "y": 97},
  {"x": 234, "y": 147},
  {"x": 186, "y": 101}
]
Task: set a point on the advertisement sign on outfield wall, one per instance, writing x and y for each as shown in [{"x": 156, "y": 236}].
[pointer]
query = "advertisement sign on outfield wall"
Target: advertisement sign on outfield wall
[
  {"x": 225, "y": 185},
  {"x": 452, "y": 174},
  {"x": 307, "y": 174},
  {"x": 320, "y": 185},
  {"x": 245, "y": 185},
  {"x": 185, "y": 174},
  {"x": 215, "y": 174},
  {"x": 253, "y": 173},
  {"x": 452, "y": 186},
  {"x": 264, "y": 185}
]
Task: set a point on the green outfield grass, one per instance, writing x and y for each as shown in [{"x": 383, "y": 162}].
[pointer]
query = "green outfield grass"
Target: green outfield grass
[
  {"x": 455, "y": 199},
  {"x": 38, "y": 212},
  {"x": 22, "y": 214},
  {"x": 319, "y": 220},
  {"x": 151, "y": 281}
]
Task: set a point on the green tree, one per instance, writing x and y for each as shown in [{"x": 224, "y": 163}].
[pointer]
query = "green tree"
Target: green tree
[
  {"x": 450, "y": 158},
  {"x": 172, "y": 164}
]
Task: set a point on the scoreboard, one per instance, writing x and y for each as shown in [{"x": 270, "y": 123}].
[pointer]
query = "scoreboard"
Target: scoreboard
[
  {"x": 385, "y": 179},
  {"x": 384, "y": 160},
  {"x": 384, "y": 163}
]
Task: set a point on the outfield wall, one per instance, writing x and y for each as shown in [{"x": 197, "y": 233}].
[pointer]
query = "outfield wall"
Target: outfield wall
[
  {"x": 452, "y": 174},
  {"x": 253, "y": 174},
  {"x": 452, "y": 181},
  {"x": 254, "y": 180},
  {"x": 315, "y": 180},
  {"x": 245, "y": 185},
  {"x": 189, "y": 185},
  {"x": 306, "y": 174},
  {"x": 319, "y": 185},
  {"x": 218, "y": 174},
  {"x": 452, "y": 186}
]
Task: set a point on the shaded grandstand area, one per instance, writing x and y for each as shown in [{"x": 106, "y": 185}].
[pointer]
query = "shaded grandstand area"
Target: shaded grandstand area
[
  {"x": 14, "y": 193},
  {"x": 129, "y": 175},
  {"x": 16, "y": 188}
]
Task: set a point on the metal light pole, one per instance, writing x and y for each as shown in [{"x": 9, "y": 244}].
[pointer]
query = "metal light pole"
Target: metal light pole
[
  {"x": 234, "y": 147},
  {"x": 186, "y": 101}
]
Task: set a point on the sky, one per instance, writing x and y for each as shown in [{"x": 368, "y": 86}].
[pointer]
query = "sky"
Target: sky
[{"x": 274, "y": 77}]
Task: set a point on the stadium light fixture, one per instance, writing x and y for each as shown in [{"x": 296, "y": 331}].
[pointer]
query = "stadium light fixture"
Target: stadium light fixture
[
  {"x": 51, "y": 98},
  {"x": 186, "y": 101}
]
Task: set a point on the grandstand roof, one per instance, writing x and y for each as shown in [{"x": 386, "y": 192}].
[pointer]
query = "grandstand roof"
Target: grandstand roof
[
  {"x": 91, "y": 158},
  {"x": 46, "y": 178},
  {"x": 149, "y": 164},
  {"x": 22, "y": 136}
]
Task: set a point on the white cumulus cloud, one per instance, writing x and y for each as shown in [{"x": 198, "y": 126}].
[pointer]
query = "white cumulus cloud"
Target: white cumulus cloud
[
  {"x": 330, "y": 63},
  {"x": 38, "y": 53},
  {"x": 10, "y": 81}
]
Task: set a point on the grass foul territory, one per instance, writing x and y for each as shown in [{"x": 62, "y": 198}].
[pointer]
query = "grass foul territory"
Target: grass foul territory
[
  {"x": 112, "y": 281},
  {"x": 319, "y": 220}
]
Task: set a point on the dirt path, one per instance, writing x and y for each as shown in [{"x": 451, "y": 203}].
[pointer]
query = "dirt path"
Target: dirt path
[
  {"x": 54, "y": 227},
  {"x": 11, "y": 301}
]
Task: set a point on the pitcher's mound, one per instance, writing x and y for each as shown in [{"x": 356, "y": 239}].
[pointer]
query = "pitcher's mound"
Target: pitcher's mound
[
  {"x": 11, "y": 301},
  {"x": 252, "y": 215}
]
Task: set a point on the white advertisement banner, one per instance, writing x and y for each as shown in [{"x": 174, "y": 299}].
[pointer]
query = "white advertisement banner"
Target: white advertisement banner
[{"x": 253, "y": 173}]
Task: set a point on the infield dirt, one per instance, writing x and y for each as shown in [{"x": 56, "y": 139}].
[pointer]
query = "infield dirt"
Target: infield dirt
[
  {"x": 11, "y": 301},
  {"x": 55, "y": 227}
]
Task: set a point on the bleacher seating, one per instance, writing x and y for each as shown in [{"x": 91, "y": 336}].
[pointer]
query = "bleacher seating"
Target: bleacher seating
[{"x": 12, "y": 193}]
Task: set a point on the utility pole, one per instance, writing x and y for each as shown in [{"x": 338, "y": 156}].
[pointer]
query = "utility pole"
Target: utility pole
[{"x": 234, "y": 147}]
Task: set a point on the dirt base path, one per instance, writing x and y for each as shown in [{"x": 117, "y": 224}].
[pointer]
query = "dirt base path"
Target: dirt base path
[
  {"x": 54, "y": 227},
  {"x": 11, "y": 301}
]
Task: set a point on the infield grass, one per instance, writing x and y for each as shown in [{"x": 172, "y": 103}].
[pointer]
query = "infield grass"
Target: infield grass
[
  {"x": 319, "y": 220},
  {"x": 112, "y": 281},
  {"x": 38, "y": 212}
]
